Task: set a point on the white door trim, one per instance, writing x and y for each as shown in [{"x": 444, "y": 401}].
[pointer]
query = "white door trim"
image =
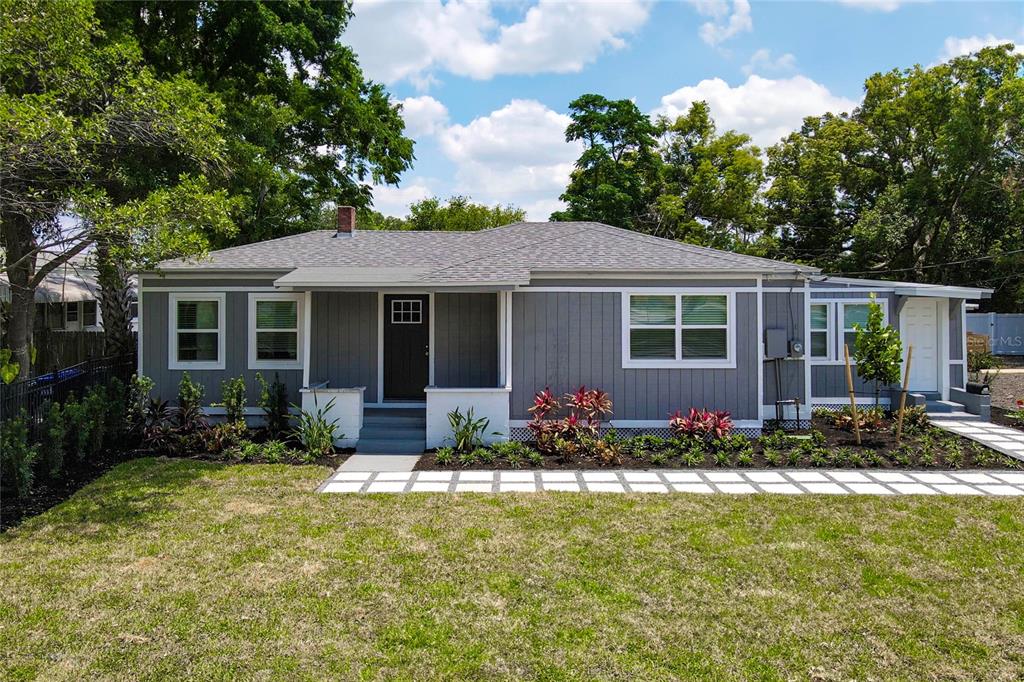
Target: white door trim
[
  {"x": 380, "y": 344},
  {"x": 941, "y": 368}
]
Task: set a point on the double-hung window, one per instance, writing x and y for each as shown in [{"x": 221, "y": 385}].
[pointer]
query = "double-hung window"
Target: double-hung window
[
  {"x": 853, "y": 314},
  {"x": 821, "y": 331},
  {"x": 678, "y": 330},
  {"x": 275, "y": 331},
  {"x": 89, "y": 315},
  {"x": 196, "y": 328}
]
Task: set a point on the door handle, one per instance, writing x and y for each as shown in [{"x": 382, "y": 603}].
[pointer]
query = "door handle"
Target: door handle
[{"x": 426, "y": 351}]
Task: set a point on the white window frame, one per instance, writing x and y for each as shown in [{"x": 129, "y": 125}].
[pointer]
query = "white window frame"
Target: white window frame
[
  {"x": 728, "y": 362},
  {"x": 417, "y": 310},
  {"x": 837, "y": 329},
  {"x": 75, "y": 324},
  {"x": 299, "y": 330},
  {"x": 172, "y": 330},
  {"x": 830, "y": 334},
  {"x": 98, "y": 323}
]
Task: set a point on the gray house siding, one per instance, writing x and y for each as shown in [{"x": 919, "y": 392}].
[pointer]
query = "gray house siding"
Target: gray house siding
[
  {"x": 640, "y": 283},
  {"x": 211, "y": 283},
  {"x": 155, "y": 353},
  {"x": 465, "y": 340},
  {"x": 956, "y": 330},
  {"x": 564, "y": 340},
  {"x": 829, "y": 381},
  {"x": 784, "y": 310},
  {"x": 343, "y": 345}
]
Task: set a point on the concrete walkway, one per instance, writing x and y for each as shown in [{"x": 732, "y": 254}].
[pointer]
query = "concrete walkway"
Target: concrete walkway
[
  {"x": 376, "y": 462},
  {"x": 1000, "y": 438},
  {"x": 791, "y": 482}
]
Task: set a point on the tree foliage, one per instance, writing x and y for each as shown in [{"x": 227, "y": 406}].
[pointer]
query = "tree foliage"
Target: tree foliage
[
  {"x": 878, "y": 351},
  {"x": 457, "y": 214},
  {"x": 81, "y": 119},
  {"x": 303, "y": 127}
]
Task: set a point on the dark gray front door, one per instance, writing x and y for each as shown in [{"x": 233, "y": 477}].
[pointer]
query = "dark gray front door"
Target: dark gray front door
[{"x": 406, "y": 346}]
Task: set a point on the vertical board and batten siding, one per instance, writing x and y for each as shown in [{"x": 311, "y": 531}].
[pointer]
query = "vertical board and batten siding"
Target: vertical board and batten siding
[
  {"x": 155, "y": 358},
  {"x": 343, "y": 347},
  {"x": 466, "y": 340},
  {"x": 829, "y": 381},
  {"x": 563, "y": 340},
  {"x": 784, "y": 309}
]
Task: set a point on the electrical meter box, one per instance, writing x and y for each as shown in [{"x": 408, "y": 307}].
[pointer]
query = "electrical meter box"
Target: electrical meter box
[{"x": 776, "y": 345}]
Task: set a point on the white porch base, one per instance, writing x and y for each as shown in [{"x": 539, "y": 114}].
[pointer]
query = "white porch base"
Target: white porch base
[
  {"x": 492, "y": 403},
  {"x": 347, "y": 409}
]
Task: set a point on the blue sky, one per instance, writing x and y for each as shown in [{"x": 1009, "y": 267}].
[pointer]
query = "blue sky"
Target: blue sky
[{"x": 485, "y": 85}]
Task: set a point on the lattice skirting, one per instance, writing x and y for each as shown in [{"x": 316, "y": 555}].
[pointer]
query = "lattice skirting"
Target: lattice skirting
[{"x": 521, "y": 433}]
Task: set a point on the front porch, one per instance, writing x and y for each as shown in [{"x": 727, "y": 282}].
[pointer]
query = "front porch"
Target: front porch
[{"x": 390, "y": 357}]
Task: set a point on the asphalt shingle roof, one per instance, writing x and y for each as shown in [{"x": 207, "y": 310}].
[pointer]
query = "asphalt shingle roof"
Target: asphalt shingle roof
[{"x": 508, "y": 253}]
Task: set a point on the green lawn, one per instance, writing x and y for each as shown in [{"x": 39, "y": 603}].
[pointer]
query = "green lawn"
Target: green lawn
[{"x": 174, "y": 568}]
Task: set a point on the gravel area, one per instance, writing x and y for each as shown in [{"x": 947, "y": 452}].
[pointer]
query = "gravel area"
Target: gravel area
[{"x": 1007, "y": 388}]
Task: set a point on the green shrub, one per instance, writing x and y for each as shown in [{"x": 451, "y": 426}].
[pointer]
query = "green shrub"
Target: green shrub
[
  {"x": 223, "y": 437},
  {"x": 745, "y": 458},
  {"x": 275, "y": 451},
  {"x": 819, "y": 458},
  {"x": 78, "y": 429},
  {"x": 468, "y": 459},
  {"x": 273, "y": 401},
  {"x": 723, "y": 458},
  {"x": 232, "y": 399},
  {"x": 467, "y": 431},
  {"x": 484, "y": 455},
  {"x": 17, "y": 455},
  {"x": 954, "y": 457},
  {"x": 776, "y": 440},
  {"x": 95, "y": 405},
  {"x": 316, "y": 433},
  {"x": 875, "y": 459},
  {"x": 694, "y": 457},
  {"x": 659, "y": 458},
  {"x": 774, "y": 458},
  {"x": 117, "y": 423},
  {"x": 804, "y": 449},
  {"x": 902, "y": 455},
  {"x": 534, "y": 458},
  {"x": 54, "y": 441},
  {"x": 138, "y": 402},
  {"x": 514, "y": 459},
  {"x": 445, "y": 456}
]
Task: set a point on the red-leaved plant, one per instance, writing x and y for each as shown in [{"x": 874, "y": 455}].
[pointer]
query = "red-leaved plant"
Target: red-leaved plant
[
  {"x": 587, "y": 407},
  {"x": 701, "y": 423}
]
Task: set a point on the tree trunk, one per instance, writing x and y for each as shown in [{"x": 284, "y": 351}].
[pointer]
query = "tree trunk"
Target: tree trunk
[
  {"x": 115, "y": 302},
  {"x": 20, "y": 273}
]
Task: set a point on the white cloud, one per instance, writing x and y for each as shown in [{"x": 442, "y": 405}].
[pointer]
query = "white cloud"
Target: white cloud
[
  {"x": 423, "y": 115},
  {"x": 874, "y": 5},
  {"x": 398, "y": 40},
  {"x": 762, "y": 62},
  {"x": 516, "y": 154},
  {"x": 957, "y": 47},
  {"x": 394, "y": 201},
  {"x": 766, "y": 109},
  {"x": 724, "y": 24}
]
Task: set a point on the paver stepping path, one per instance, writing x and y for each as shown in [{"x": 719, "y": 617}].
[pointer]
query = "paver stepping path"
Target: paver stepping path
[
  {"x": 820, "y": 481},
  {"x": 996, "y": 436}
]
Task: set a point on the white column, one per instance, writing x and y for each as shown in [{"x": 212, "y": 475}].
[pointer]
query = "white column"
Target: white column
[
  {"x": 307, "y": 336},
  {"x": 501, "y": 337},
  {"x": 508, "y": 339}
]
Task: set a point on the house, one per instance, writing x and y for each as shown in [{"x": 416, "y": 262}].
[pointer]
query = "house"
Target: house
[
  {"x": 68, "y": 298},
  {"x": 399, "y": 328}
]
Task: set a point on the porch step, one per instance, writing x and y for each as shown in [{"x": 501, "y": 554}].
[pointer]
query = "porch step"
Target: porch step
[
  {"x": 939, "y": 406},
  {"x": 392, "y": 446},
  {"x": 395, "y": 431},
  {"x": 955, "y": 416}
]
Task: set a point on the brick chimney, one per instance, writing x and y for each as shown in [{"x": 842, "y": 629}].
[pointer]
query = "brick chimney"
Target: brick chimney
[{"x": 346, "y": 220}]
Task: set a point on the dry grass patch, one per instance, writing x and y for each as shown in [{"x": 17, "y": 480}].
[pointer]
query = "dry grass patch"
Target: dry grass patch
[{"x": 184, "y": 569}]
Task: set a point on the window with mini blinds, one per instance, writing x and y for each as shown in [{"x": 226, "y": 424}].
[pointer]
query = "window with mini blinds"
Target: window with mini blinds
[{"x": 666, "y": 330}]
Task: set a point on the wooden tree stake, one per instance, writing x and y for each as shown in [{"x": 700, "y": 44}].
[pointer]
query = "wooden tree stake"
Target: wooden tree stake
[
  {"x": 849, "y": 386},
  {"x": 903, "y": 395}
]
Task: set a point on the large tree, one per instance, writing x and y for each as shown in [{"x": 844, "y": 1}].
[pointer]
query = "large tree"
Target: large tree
[
  {"x": 456, "y": 214},
  {"x": 303, "y": 125},
  {"x": 923, "y": 181},
  {"x": 711, "y": 184},
  {"x": 616, "y": 178},
  {"x": 77, "y": 114}
]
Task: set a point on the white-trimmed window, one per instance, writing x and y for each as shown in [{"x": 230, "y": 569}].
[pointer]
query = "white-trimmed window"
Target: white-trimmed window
[
  {"x": 821, "y": 331},
  {"x": 71, "y": 317},
  {"x": 90, "y": 316},
  {"x": 275, "y": 331},
  {"x": 853, "y": 314},
  {"x": 406, "y": 311},
  {"x": 665, "y": 329},
  {"x": 832, "y": 325},
  {"x": 196, "y": 328}
]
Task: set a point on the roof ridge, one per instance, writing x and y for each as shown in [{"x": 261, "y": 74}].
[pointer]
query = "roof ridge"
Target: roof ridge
[{"x": 686, "y": 246}]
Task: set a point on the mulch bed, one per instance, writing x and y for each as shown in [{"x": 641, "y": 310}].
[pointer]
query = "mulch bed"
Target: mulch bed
[
  {"x": 881, "y": 443},
  {"x": 1001, "y": 417}
]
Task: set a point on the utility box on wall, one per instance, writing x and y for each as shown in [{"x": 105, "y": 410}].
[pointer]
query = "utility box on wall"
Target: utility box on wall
[{"x": 776, "y": 345}]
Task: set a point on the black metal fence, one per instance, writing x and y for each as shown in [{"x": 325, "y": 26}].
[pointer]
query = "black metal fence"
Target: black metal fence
[{"x": 34, "y": 395}]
